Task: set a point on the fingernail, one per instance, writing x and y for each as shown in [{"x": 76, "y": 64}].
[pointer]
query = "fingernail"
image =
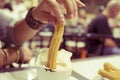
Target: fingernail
[
  {"x": 84, "y": 5},
  {"x": 62, "y": 20}
]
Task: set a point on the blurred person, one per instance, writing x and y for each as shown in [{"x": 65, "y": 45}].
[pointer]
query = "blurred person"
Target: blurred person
[
  {"x": 100, "y": 25},
  {"x": 82, "y": 17},
  {"x": 99, "y": 9},
  {"x": 48, "y": 11}
]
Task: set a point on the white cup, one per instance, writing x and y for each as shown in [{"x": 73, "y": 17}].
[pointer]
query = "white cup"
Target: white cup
[
  {"x": 44, "y": 74},
  {"x": 63, "y": 68}
]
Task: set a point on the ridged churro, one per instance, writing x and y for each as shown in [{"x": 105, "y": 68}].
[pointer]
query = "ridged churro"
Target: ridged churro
[
  {"x": 110, "y": 72},
  {"x": 54, "y": 45}
]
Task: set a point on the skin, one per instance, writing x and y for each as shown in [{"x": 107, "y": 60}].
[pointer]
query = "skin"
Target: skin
[{"x": 48, "y": 11}]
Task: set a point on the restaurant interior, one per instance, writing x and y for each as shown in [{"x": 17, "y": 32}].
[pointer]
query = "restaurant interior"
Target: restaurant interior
[
  {"x": 75, "y": 33},
  {"x": 74, "y": 40}
]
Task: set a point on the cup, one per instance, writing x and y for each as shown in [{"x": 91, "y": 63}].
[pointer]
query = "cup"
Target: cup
[
  {"x": 44, "y": 74},
  {"x": 63, "y": 67}
]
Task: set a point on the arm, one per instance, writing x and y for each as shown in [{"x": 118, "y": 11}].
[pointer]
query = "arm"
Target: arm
[
  {"x": 110, "y": 43},
  {"x": 48, "y": 11},
  {"x": 22, "y": 32},
  {"x": 10, "y": 55}
]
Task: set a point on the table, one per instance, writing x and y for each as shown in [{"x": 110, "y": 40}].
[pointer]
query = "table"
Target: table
[
  {"x": 83, "y": 69},
  {"x": 23, "y": 74},
  {"x": 87, "y": 68}
]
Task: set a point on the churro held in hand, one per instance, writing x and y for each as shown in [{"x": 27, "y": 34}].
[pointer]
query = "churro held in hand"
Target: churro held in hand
[
  {"x": 54, "y": 45},
  {"x": 54, "y": 64}
]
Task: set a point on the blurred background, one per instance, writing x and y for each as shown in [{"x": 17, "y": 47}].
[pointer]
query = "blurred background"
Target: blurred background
[{"x": 74, "y": 39}]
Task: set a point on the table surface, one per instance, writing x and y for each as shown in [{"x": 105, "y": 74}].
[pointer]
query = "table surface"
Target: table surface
[
  {"x": 88, "y": 68},
  {"x": 83, "y": 69}
]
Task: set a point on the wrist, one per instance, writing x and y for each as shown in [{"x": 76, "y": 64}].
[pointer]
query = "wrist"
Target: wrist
[
  {"x": 33, "y": 21},
  {"x": 35, "y": 14}
]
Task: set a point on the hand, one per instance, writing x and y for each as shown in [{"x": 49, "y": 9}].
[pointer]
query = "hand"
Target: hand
[
  {"x": 27, "y": 54},
  {"x": 56, "y": 10}
]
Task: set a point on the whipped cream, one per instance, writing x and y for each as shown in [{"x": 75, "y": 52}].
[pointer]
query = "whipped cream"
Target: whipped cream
[{"x": 63, "y": 59}]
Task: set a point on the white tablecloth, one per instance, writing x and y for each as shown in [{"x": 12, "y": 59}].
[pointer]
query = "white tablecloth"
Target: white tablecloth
[
  {"x": 89, "y": 68},
  {"x": 22, "y": 75},
  {"x": 84, "y": 69}
]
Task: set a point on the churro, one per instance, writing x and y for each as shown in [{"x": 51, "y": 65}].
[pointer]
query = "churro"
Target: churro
[
  {"x": 54, "y": 45},
  {"x": 110, "y": 72}
]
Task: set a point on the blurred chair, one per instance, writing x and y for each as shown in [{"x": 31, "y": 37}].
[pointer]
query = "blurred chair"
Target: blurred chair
[
  {"x": 93, "y": 36},
  {"x": 75, "y": 44},
  {"x": 69, "y": 43}
]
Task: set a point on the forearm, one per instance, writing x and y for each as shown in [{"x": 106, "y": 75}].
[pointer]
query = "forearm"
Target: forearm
[
  {"x": 110, "y": 43},
  {"x": 7, "y": 58},
  {"x": 26, "y": 29},
  {"x": 22, "y": 32},
  {"x": 10, "y": 55},
  {"x": 48, "y": 11}
]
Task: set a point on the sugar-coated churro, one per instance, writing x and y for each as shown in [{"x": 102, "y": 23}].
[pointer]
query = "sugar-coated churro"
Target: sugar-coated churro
[
  {"x": 110, "y": 72},
  {"x": 54, "y": 45}
]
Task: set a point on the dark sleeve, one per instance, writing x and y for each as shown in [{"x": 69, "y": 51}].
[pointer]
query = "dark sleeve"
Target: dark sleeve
[
  {"x": 99, "y": 26},
  {"x": 103, "y": 27}
]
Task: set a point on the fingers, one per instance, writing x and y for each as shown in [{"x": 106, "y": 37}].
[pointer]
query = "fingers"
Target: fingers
[
  {"x": 46, "y": 17},
  {"x": 56, "y": 10},
  {"x": 44, "y": 14},
  {"x": 27, "y": 54},
  {"x": 71, "y": 7},
  {"x": 53, "y": 8},
  {"x": 79, "y": 3}
]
